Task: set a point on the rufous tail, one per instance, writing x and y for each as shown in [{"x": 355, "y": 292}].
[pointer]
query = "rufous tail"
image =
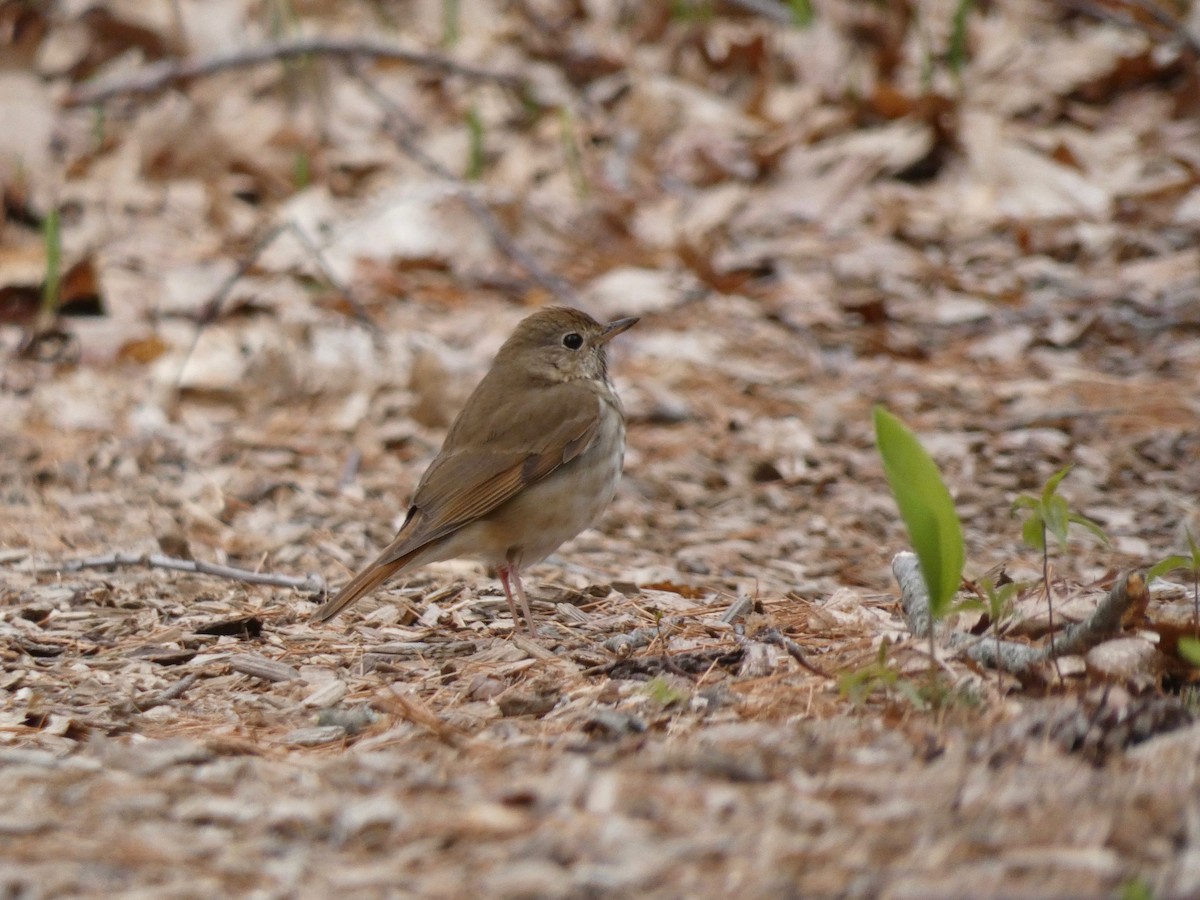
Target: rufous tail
[{"x": 361, "y": 584}]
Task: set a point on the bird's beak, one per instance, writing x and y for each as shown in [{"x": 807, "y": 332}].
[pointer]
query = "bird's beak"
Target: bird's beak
[{"x": 612, "y": 329}]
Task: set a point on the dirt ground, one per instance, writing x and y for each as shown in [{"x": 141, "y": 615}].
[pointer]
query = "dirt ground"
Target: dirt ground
[{"x": 281, "y": 280}]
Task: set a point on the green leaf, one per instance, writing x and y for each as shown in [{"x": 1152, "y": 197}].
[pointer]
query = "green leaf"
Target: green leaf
[
  {"x": 1170, "y": 564},
  {"x": 802, "y": 12},
  {"x": 1189, "y": 649},
  {"x": 475, "y": 151},
  {"x": 969, "y": 605},
  {"x": 1026, "y": 501},
  {"x": 1054, "y": 481},
  {"x": 1135, "y": 890},
  {"x": 926, "y": 507},
  {"x": 52, "y": 237},
  {"x": 450, "y": 18},
  {"x": 1058, "y": 518},
  {"x": 957, "y": 54},
  {"x": 1193, "y": 547},
  {"x": 1095, "y": 529},
  {"x": 301, "y": 170},
  {"x": 1033, "y": 532}
]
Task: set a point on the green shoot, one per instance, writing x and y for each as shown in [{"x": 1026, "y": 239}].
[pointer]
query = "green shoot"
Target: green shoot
[
  {"x": 52, "y": 237},
  {"x": 1190, "y": 563},
  {"x": 301, "y": 170},
  {"x": 958, "y": 54},
  {"x": 1049, "y": 514},
  {"x": 803, "y": 13},
  {"x": 99, "y": 126},
  {"x": 694, "y": 11},
  {"x": 928, "y": 512},
  {"x": 1189, "y": 649},
  {"x": 574, "y": 158},
  {"x": 664, "y": 694},
  {"x": 1135, "y": 889},
  {"x": 880, "y": 676},
  {"x": 999, "y": 607},
  {"x": 475, "y": 151},
  {"x": 450, "y": 20}
]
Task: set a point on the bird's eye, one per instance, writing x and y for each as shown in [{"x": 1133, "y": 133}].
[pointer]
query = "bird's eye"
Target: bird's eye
[{"x": 573, "y": 341}]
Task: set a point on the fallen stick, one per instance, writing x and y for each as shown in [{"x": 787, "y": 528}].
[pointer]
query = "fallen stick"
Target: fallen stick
[
  {"x": 400, "y": 127},
  {"x": 168, "y": 73},
  {"x": 1010, "y": 656},
  {"x": 314, "y": 583},
  {"x": 794, "y": 650}
]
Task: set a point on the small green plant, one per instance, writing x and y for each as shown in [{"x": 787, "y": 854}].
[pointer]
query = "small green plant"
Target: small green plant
[
  {"x": 664, "y": 693},
  {"x": 52, "y": 237},
  {"x": 803, "y": 13},
  {"x": 928, "y": 511},
  {"x": 958, "y": 54},
  {"x": 301, "y": 170},
  {"x": 1049, "y": 514},
  {"x": 1189, "y": 649},
  {"x": 693, "y": 11},
  {"x": 1189, "y": 563},
  {"x": 879, "y": 676},
  {"x": 99, "y": 126},
  {"x": 574, "y": 159},
  {"x": 999, "y": 605},
  {"x": 475, "y": 151},
  {"x": 1135, "y": 889},
  {"x": 450, "y": 20}
]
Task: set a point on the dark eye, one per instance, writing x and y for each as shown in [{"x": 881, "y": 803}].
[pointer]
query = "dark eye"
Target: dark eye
[{"x": 573, "y": 341}]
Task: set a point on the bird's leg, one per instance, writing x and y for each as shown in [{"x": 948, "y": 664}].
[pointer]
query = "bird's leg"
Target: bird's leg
[
  {"x": 503, "y": 572},
  {"x": 524, "y": 603},
  {"x": 515, "y": 587}
]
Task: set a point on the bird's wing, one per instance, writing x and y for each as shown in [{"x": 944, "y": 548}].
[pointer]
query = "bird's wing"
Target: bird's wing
[{"x": 470, "y": 478}]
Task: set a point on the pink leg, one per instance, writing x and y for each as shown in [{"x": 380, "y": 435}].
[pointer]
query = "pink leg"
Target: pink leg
[{"x": 504, "y": 572}]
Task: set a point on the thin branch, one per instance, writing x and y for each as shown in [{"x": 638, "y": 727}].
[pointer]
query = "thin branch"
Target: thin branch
[
  {"x": 1170, "y": 23},
  {"x": 211, "y": 308},
  {"x": 1120, "y": 16},
  {"x": 174, "y": 692},
  {"x": 314, "y": 583},
  {"x": 171, "y": 72},
  {"x": 413, "y": 710},
  {"x": 401, "y": 127},
  {"x": 768, "y": 9},
  {"x": 779, "y": 639},
  {"x": 360, "y": 311},
  {"x": 1010, "y": 656}
]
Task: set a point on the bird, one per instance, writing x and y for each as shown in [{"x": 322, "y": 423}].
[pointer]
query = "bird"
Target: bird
[{"x": 531, "y": 460}]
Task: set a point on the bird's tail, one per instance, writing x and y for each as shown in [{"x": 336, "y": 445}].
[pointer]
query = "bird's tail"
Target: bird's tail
[{"x": 362, "y": 584}]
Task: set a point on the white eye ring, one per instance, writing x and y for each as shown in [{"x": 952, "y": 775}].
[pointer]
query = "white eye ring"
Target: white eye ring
[{"x": 573, "y": 340}]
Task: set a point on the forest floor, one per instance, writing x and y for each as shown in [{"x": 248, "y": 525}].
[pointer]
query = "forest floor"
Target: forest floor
[{"x": 280, "y": 281}]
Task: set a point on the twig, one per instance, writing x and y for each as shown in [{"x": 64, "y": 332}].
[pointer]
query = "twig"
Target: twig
[
  {"x": 400, "y": 127},
  {"x": 165, "y": 696},
  {"x": 768, "y": 9},
  {"x": 1119, "y": 16},
  {"x": 314, "y": 583},
  {"x": 624, "y": 644},
  {"x": 412, "y": 709},
  {"x": 258, "y": 666},
  {"x": 360, "y": 311},
  {"x": 174, "y": 692},
  {"x": 779, "y": 639},
  {"x": 171, "y": 72},
  {"x": 211, "y": 308},
  {"x": 1010, "y": 656},
  {"x": 1169, "y": 22}
]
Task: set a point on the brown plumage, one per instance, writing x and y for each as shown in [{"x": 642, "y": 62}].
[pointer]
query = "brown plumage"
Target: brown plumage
[{"x": 532, "y": 459}]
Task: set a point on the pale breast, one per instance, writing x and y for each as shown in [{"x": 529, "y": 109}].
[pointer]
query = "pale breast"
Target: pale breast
[{"x": 533, "y": 524}]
